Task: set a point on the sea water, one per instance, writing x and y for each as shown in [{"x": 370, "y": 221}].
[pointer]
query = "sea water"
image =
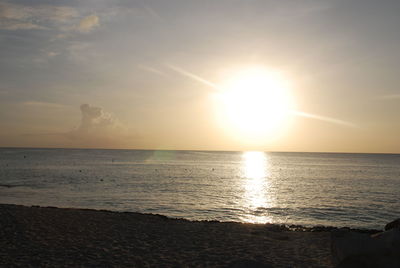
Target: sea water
[{"x": 354, "y": 190}]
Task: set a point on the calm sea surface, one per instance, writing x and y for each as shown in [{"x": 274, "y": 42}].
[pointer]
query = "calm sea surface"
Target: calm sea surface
[{"x": 355, "y": 190}]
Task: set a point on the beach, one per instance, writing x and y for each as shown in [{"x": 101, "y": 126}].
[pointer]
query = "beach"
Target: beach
[{"x": 63, "y": 237}]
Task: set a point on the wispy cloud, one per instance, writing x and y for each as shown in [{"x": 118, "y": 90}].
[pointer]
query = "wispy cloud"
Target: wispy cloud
[
  {"x": 12, "y": 25},
  {"x": 296, "y": 113},
  {"x": 151, "y": 70},
  {"x": 24, "y": 17},
  {"x": 88, "y": 23},
  {"x": 52, "y": 54},
  {"x": 153, "y": 13},
  {"x": 192, "y": 76},
  {"x": 82, "y": 52},
  {"x": 44, "y": 104},
  {"x": 325, "y": 119},
  {"x": 43, "y": 17},
  {"x": 389, "y": 97}
]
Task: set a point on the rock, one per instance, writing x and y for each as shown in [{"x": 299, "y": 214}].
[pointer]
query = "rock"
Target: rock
[
  {"x": 393, "y": 224},
  {"x": 389, "y": 240},
  {"x": 345, "y": 243},
  {"x": 320, "y": 228},
  {"x": 356, "y": 261},
  {"x": 370, "y": 261},
  {"x": 352, "y": 249}
]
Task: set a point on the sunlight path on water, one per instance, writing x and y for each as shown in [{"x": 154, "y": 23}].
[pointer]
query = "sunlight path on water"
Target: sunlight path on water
[{"x": 255, "y": 184}]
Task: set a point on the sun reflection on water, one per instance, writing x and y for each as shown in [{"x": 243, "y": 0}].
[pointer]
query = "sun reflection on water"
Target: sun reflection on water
[{"x": 255, "y": 184}]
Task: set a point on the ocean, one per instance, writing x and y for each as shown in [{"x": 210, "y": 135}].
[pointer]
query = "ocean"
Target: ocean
[{"x": 330, "y": 189}]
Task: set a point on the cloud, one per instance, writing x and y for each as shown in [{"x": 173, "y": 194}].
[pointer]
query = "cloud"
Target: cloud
[
  {"x": 98, "y": 129},
  {"x": 43, "y": 104},
  {"x": 296, "y": 113},
  {"x": 390, "y": 97},
  {"x": 88, "y": 23},
  {"x": 7, "y": 25},
  {"x": 52, "y": 54},
  {"x": 325, "y": 119},
  {"x": 81, "y": 52},
  {"x": 28, "y": 17},
  {"x": 24, "y": 17},
  {"x": 193, "y": 76},
  {"x": 93, "y": 121},
  {"x": 151, "y": 12},
  {"x": 151, "y": 70}
]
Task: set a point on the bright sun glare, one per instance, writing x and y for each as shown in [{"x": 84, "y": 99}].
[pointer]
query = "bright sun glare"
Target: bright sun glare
[
  {"x": 256, "y": 185},
  {"x": 255, "y": 103}
]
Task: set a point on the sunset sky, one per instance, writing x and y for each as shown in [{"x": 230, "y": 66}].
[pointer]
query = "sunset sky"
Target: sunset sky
[{"x": 160, "y": 74}]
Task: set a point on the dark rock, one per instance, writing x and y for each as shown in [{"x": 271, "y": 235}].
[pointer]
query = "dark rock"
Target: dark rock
[
  {"x": 276, "y": 227},
  {"x": 353, "y": 249},
  {"x": 393, "y": 224},
  {"x": 357, "y": 261},
  {"x": 345, "y": 243},
  {"x": 320, "y": 228},
  {"x": 382, "y": 259}
]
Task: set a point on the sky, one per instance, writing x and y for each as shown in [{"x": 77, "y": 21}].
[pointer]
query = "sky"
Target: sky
[{"x": 142, "y": 74}]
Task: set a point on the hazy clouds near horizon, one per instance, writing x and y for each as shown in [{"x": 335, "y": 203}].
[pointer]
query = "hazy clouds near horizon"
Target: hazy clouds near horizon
[{"x": 341, "y": 57}]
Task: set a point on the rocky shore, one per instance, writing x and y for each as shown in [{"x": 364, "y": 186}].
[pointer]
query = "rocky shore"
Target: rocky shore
[{"x": 61, "y": 237}]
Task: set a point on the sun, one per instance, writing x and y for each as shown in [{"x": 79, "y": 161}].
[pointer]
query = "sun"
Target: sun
[{"x": 254, "y": 104}]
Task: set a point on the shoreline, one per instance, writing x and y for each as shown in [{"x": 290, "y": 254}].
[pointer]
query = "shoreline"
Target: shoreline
[
  {"x": 286, "y": 227},
  {"x": 68, "y": 237},
  {"x": 76, "y": 237}
]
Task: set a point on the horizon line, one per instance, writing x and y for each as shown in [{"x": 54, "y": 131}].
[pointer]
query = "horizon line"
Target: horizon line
[{"x": 194, "y": 150}]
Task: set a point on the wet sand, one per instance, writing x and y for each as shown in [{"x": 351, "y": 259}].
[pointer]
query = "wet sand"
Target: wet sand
[{"x": 59, "y": 237}]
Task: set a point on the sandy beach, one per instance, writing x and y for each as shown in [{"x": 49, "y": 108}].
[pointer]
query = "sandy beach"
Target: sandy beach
[{"x": 55, "y": 237}]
